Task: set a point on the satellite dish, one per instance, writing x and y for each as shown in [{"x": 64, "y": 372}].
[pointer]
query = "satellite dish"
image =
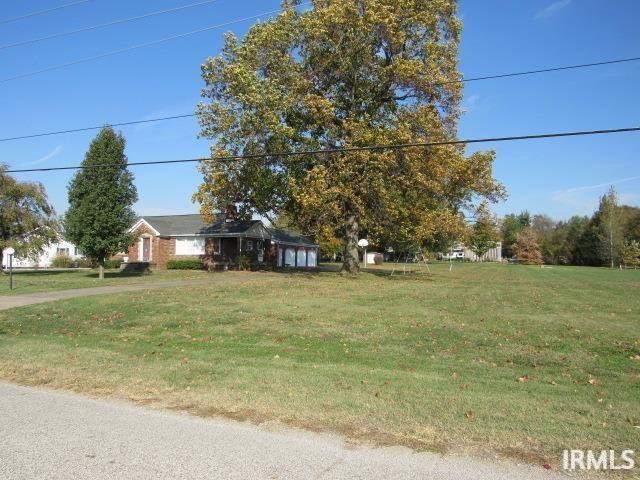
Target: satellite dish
[
  {"x": 9, "y": 251},
  {"x": 363, "y": 242}
]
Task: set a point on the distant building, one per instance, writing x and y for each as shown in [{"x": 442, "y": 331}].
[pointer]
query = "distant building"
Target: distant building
[
  {"x": 62, "y": 247},
  {"x": 462, "y": 252}
]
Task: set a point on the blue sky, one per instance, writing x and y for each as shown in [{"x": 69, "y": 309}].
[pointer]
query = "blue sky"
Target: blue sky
[{"x": 559, "y": 177}]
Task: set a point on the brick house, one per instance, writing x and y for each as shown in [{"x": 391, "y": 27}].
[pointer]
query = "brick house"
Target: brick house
[{"x": 218, "y": 244}]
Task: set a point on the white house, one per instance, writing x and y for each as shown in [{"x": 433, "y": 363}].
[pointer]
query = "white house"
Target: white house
[{"x": 62, "y": 247}]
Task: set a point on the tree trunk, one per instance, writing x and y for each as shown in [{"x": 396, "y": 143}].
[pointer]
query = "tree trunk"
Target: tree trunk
[
  {"x": 350, "y": 262},
  {"x": 101, "y": 271}
]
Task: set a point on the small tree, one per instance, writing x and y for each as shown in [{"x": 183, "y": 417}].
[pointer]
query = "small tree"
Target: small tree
[
  {"x": 527, "y": 248},
  {"x": 27, "y": 221},
  {"x": 101, "y": 196},
  {"x": 630, "y": 254},
  {"x": 484, "y": 234}
]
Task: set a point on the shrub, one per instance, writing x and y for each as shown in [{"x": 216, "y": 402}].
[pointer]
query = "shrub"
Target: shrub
[
  {"x": 243, "y": 262},
  {"x": 186, "y": 264},
  {"x": 112, "y": 263},
  {"x": 62, "y": 261},
  {"x": 84, "y": 263}
]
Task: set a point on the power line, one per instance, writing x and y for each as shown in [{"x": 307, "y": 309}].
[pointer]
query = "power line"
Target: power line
[
  {"x": 104, "y": 25},
  {"x": 140, "y": 45},
  {"x": 396, "y": 146},
  {"x": 462, "y": 80},
  {"x": 547, "y": 70},
  {"x": 42, "y": 12},
  {"x": 84, "y": 129}
]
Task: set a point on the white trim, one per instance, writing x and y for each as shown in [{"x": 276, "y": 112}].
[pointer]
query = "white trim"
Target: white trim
[
  {"x": 139, "y": 223},
  {"x": 141, "y": 247}
]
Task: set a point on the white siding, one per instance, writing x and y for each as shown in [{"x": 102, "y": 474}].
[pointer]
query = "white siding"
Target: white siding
[
  {"x": 190, "y": 246},
  {"x": 46, "y": 258}
]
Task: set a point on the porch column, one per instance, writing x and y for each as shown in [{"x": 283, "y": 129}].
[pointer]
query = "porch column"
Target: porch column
[
  {"x": 306, "y": 257},
  {"x": 296, "y": 262}
]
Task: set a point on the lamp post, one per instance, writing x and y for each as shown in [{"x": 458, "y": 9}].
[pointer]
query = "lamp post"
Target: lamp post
[
  {"x": 364, "y": 243},
  {"x": 10, "y": 252}
]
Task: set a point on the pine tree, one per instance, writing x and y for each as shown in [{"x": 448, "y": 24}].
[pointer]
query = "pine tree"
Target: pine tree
[{"x": 101, "y": 196}]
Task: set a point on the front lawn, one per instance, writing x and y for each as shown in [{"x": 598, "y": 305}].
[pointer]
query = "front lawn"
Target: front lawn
[
  {"x": 512, "y": 359},
  {"x": 32, "y": 281}
]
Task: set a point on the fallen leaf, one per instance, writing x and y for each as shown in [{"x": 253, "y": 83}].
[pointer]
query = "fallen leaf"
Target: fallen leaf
[
  {"x": 454, "y": 375},
  {"x": 524, "y": 378},
  {"x": 465, "y": 386},
  {"x": 546, "y": 466},
  {"x": 552, "y": 382},
  {"x": 470, "y": 415}
]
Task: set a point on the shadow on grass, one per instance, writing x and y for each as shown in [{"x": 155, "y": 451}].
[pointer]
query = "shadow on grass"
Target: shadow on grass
[{"x": 78, "y": 273}]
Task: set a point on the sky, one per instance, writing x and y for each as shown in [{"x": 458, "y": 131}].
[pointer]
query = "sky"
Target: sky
[{"x": 559, "y": 177}]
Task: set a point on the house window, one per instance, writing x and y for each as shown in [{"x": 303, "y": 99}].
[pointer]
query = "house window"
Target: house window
[
  {"x": 259, "y": 245},
  {"x": 249, "y": 245},
  {"x": 62, "y": 251},
  {"x": 190, "y": 246}
]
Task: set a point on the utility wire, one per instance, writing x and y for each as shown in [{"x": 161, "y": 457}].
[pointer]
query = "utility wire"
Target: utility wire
[
  {"x": 140, "y": 45},
  {"x": 106, "y": 24},
  {"x": 462, "y": 80},
  {"x": 84, "y": 129},
  {"x": 42, "y": 12},
  {"x": 396, "y": 146}
]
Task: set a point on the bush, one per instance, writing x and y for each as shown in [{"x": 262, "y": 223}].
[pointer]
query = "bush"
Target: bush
[
  {"x": 186, "y": 264},
  {"x": 84, "y": 263},
  {"x": 112, "y": 263},
  {"x": 243, "y": 262},
  {"x": 62, "y": 261}
]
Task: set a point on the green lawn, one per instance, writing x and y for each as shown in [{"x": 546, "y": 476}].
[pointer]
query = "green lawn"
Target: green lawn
[
  {"x": 32, "y": 281},
  {"x": 512, "y": 359}
]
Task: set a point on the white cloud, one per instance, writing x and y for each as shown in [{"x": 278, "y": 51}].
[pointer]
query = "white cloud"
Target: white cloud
[
  {"x": 552, "y": 9},
  {"x": 45, "y": 158},
  {"x": 583, "y": 200},
  {"x": 470, "y": 102},
  {"x": 600, "y": 185}
]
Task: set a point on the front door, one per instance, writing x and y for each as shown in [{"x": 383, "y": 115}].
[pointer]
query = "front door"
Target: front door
[{"x": 146, "y": 249}]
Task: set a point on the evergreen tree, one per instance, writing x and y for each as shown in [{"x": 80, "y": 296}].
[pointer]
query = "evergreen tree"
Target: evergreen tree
[{"x": 101, "y": 196}]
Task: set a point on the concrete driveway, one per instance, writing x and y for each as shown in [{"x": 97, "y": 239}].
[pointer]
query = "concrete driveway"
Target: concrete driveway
[{"x": 55, "y": 435}]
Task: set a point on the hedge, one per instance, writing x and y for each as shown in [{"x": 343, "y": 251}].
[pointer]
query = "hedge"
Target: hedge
[
  {"x": 112, "y": 264},
  {"x": 186, "y": 264}
]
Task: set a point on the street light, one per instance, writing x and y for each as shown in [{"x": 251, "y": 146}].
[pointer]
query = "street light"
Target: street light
[{"x": 10, "y": 252}]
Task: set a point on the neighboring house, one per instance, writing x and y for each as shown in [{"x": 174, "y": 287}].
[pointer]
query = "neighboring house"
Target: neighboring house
[
  {"x": 162, "y": 238},
  {"x": 62, "y": 247},
  {"x": 462, "y": 252}
]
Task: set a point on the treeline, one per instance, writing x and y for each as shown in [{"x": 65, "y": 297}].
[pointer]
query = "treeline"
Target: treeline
[{"x": 611, "y": 236}]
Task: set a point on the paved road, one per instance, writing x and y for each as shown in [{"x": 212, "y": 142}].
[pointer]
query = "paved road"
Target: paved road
[
  {"x": 12, "y": 301},
  {"x": 56, "y": 435}
]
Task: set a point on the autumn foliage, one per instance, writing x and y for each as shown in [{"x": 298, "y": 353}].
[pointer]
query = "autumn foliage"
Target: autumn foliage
[{"x": 343, "y": 74}]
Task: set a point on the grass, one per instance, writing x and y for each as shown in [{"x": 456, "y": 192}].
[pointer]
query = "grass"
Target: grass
[
  {"x": 517, "y": 360},
  {"x": 33, "y": 281}
]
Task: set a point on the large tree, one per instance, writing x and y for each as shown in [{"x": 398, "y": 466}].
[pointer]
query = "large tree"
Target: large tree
[
  {"x": 512, "y": 225},
  {"x": 343, "y": 74},
  {"x": 101, "y": 196},
  {"x": 27, "y": 220}
]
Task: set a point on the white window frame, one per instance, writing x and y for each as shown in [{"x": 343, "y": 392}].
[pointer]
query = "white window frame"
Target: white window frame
[{"x": 190, "y": 246}]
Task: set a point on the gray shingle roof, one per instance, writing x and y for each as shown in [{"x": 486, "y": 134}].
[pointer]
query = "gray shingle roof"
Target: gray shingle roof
[{"x": 194, "y": 224}]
